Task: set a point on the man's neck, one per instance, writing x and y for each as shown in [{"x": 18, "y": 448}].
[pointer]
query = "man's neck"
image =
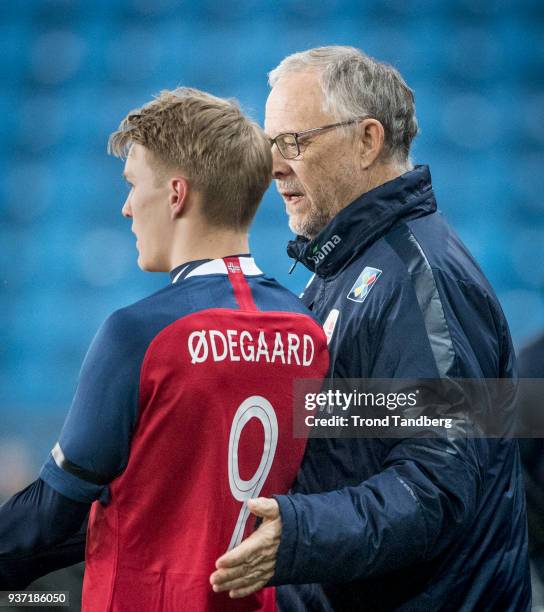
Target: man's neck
[
  {"x": 376, "y": 176},
  {"x": 210, "y": 244},
  {"x": 383, "y": 173}
]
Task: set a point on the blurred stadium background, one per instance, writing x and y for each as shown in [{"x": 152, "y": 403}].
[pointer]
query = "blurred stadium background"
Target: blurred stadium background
[{"x": 71, "y": 70}]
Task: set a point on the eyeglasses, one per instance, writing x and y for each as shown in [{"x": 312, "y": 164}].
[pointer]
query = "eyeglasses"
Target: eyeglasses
[{"x": 288, "y": 142}]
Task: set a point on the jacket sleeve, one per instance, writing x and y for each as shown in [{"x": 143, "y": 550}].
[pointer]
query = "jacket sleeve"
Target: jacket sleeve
[
  {"x": 415, "y": 506},
  {"x": 408, "y": 513}
]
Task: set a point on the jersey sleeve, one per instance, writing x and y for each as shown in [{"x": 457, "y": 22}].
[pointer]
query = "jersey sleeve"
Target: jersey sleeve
[
  {"x": 40, "y": 532},
  {"x": 94, "y": 443}
]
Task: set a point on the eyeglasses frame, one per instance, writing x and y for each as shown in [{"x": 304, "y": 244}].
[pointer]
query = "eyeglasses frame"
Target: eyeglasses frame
[{"x": 296, "y": 135}]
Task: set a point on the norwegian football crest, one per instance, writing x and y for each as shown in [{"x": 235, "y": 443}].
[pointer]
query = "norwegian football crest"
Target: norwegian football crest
[{"x": 364, "y": 284}]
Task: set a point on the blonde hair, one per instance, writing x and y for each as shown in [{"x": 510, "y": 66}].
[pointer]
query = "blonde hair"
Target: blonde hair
[{"x": 223, "y": 154}]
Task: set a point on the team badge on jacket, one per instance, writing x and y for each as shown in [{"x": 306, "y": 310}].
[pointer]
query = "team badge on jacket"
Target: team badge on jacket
[{"x": 364, "y": 283}]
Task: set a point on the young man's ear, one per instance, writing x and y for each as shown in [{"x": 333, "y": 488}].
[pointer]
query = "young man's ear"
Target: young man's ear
[{"x": 179, "y": 190}]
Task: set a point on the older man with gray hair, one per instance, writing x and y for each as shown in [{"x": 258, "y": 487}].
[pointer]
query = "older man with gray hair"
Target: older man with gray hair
[{"x": 422, "y": 522}]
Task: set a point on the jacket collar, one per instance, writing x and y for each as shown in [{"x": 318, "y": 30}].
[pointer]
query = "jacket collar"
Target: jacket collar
[{"x": 364, "y": 221}]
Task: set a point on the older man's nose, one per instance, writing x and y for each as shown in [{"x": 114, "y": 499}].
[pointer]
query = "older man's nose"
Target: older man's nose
[{"x": 280, "y": 166}]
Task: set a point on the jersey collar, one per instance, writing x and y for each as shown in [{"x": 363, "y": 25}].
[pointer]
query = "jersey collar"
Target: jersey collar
[{"x": 203, "y": 267}]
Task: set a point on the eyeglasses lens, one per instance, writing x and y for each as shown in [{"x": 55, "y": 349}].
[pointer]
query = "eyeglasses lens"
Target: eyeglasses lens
[{"x": 288, "y": 146}]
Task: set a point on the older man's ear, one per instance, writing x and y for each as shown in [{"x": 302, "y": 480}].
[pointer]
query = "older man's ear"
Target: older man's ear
[{"x": 370, "y": 142}]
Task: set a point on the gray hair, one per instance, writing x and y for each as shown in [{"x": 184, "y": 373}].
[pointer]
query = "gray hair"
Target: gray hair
[{"x": 355, "y": 84}]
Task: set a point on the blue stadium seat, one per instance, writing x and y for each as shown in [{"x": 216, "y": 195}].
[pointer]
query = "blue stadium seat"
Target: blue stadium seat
[{"x": 71, "y": 71}]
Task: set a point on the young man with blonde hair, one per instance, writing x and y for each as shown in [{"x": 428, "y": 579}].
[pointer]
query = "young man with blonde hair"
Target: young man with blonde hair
[{"x": 183, "y": 410}]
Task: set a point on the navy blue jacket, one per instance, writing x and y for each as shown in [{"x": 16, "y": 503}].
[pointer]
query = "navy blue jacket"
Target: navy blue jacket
[{"x": 405, "y": 524}]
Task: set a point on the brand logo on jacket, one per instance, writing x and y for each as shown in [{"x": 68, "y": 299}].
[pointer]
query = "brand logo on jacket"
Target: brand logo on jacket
[
  {"x": 330, "y": 323},
  {"x": 364, "y": 283},
  {"x": 320, "y": 253}
]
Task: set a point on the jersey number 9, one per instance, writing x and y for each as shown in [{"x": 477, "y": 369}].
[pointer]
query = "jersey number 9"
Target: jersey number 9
[{"x": 260, "y": 408}]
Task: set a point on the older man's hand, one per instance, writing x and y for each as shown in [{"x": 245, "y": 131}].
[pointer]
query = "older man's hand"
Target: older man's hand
[{"x": 248, "y": 567}]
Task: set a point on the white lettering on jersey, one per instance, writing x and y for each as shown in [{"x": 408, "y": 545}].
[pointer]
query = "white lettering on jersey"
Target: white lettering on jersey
[
  {"x": 198, "y": 346},
  {"x": 216, "y": 337},
  {"x": 247, "y": 349},
  {"x": 263, "y": 348},
  {"x": 293, "y": 342},
  {"x": 308, "y": 344},
  {"x": 233, "y": 345},
  {"x": 278, "y": 349}
]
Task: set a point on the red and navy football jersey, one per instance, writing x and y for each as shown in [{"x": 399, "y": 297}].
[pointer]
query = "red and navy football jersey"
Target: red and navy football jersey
[{"x": 183, "y": 412}]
